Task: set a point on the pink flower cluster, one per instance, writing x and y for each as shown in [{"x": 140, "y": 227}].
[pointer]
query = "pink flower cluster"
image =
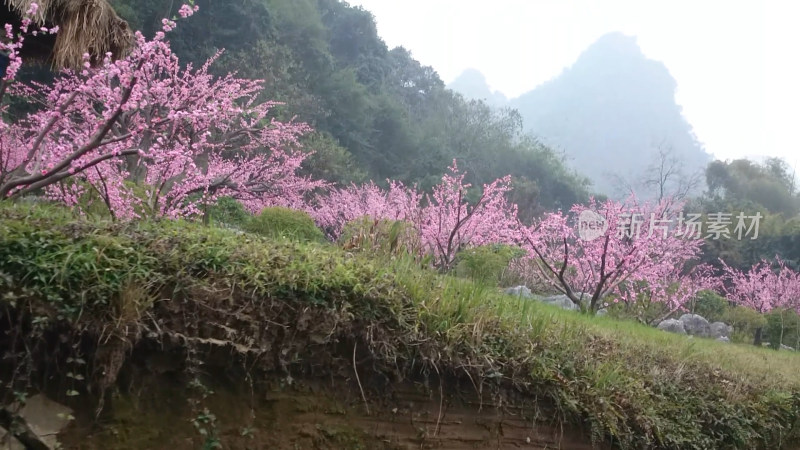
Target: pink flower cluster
[{"x": 12, "y": 43}]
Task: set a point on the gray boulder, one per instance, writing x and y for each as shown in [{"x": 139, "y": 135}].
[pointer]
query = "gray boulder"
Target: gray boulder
[
  {"x": 723, "y": 339},
  {"x": 519, "y": 291},
  {"x": 696, "y": 325},
  {"x": 562, "y": 301},
  {"x": 672, "y": 325},
  {"x": 601, "y": 312},
  {"x": 46, "y": 419},
  {"x": 719, "y": 329}
]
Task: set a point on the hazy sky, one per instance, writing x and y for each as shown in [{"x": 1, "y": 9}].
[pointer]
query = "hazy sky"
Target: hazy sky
[{"x": 737, "y": 63}]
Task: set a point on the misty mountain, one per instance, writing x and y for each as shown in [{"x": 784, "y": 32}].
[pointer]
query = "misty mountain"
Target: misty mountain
[
  {"x": 473, "y": 86},
  {"x": 613, "y": 113}
]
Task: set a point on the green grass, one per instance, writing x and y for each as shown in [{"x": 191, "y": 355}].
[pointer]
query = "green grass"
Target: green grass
[
  {"x": 279, "y": 222},
  {"x": 627, "y": 383}
]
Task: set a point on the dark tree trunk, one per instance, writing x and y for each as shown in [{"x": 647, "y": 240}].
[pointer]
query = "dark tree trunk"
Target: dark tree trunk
[{"x": 758, "y": 337}]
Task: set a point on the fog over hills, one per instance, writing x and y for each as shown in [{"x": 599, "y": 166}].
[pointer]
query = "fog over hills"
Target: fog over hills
[{"x": 613, "y": 113}]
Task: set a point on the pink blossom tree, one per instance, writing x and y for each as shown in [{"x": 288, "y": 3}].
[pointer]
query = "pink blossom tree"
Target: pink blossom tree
[
  {"x": 448, "y": 222},
  {"x": 340, "y": 206},
  {"x": 445, "y": 220},
  {"x": 633, "y": 246},
  {"x": 182, "y": 136},
  {"x": 766, "y": 286}
]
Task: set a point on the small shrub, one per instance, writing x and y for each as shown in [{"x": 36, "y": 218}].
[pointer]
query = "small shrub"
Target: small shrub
[
  {"x": 486, "y": 263},
  {"x": 385, "y": 237},
  {"x": 285, "y": 223},
  {"x": 745, "y": 322},
  {"x": 783, "y": 327},
  {"x": 642, "y": 308},
  {"x": 710, "y": 305},
  {"x": 228, "y": 211}
]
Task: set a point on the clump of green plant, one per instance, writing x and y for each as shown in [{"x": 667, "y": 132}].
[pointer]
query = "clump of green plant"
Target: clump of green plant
[
  {"x": 381, "y": 237},
  {"x": 745, "y": 322},
  {"x": 228, "y": 211},
  {"x": 783, "y": 327},
  {"x": 486, "y": 263},
  {"x": 710, "y": 305},
  {"x": 279, "y": 222}
]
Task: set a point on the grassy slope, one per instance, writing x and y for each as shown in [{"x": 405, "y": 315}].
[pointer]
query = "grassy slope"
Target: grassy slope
[{"x": 633, "y": 385}]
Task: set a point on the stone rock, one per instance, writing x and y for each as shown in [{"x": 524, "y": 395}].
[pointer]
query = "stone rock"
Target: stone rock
[
  {"x": 672, "y": 326},
  {"x": 719, "y": 329},
  {"x": 519, "y": 291},
  {"x": 45, "y": 417},
  {"x": 723, "y": 339},
  {"x": 696, "y": 325},
  {"x": 601, "y": 312},
  {"x": 562, "y": 301}
]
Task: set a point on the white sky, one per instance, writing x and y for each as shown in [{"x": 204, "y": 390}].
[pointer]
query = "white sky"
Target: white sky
[{"x": 736, "y": 62}]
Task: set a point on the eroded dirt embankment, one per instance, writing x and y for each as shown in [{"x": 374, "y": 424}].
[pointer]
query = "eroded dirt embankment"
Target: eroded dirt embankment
[{"x": 152, "y": 410}]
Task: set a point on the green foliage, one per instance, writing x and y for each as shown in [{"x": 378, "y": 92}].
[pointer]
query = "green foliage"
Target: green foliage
[
  {"x": 767, "y": 189},
  {"x": 783, "y": 327},
  {"x": 487, "y": 263},
  {"x": 330, "y": 161},
  {"x": 745, "y": 322},
  {"x": 279, "y": 222},
  {"x": 228, "y": 211},
  {"x": 769, "y": 185},
  {"x": 68, "y": 268},
  {"x": 390, "y": 238},
  {"x": 710, "y": 305}
]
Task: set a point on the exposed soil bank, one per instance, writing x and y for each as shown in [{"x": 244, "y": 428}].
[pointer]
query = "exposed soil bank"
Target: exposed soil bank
[{"x": 150, "y": 411}]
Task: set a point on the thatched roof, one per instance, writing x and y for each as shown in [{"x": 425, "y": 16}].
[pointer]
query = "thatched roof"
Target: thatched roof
[{"x": 84, "y": 26}]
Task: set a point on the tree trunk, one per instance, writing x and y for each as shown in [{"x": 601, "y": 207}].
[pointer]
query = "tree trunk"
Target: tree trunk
[{"x": 758, "y": 337}]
